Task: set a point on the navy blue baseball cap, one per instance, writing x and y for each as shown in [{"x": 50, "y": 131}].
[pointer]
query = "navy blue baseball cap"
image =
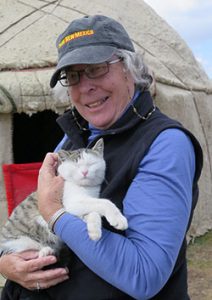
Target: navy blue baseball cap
[{"x": 90, "y": 40}]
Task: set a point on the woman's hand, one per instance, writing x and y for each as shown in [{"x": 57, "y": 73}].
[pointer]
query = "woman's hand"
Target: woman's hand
[
  {"x": 50, "y": 187},
  {"x": 25, "y": 268}
]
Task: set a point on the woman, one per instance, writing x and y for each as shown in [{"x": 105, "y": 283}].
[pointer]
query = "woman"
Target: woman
[{"x": 148, "y": 175}]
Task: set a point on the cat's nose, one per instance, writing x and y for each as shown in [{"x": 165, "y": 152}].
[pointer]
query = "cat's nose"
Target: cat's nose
[{"x": 85, "y": 173}]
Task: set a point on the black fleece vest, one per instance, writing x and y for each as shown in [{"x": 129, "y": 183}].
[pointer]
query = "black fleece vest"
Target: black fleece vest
[{"x": 125, "y": 144}]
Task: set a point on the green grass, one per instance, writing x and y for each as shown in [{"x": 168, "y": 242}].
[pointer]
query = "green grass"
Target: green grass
[
  {"x": 199, "y": 257},
  {"x": 207, "y": 238}
]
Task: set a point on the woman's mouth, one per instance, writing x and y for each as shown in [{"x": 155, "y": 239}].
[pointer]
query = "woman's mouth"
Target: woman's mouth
[{"x": 97, "y": 103}]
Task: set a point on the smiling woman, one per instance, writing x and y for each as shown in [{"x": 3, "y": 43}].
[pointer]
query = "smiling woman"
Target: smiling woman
[
  {"x": 148, "y": 176},
  {"x": 108, "y": 84}
]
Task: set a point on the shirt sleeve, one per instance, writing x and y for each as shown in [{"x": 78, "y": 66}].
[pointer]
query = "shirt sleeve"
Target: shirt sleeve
[
  {"x": 59, "y": 146},
  {"x": 157, "y": 206}
]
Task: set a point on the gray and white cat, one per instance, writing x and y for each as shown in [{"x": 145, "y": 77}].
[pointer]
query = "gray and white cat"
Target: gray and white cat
[{"x": 83, "y": 171}]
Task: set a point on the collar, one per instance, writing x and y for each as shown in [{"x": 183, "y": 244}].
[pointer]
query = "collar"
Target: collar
[{"x": 139, "y": 109}]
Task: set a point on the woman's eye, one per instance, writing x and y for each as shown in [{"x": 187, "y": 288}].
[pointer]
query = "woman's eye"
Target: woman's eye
[
  {"x": 97, "y": 70},
  {"x": 72, "y": 76}
]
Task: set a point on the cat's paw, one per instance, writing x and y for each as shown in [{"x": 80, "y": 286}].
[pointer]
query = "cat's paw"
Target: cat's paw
[
  {"x": 95, "y": 235},
  {"x": 117, "y": 220},
  {"x": 45, "y": 251},
  {"x": 94, "y": 223}
]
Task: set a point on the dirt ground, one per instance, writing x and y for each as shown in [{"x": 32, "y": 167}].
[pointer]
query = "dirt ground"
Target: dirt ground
[{"x": 200, "y": 268}]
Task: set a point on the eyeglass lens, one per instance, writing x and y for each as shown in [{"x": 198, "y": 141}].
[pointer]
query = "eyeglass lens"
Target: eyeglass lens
[{"x": 71, "y": 77}]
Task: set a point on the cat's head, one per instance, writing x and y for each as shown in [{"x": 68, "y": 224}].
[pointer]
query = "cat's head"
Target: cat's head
[{"x": 85, "y": 167}]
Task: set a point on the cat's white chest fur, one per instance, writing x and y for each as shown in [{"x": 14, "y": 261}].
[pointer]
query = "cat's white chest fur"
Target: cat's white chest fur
[{"x": 76, "y": 199}]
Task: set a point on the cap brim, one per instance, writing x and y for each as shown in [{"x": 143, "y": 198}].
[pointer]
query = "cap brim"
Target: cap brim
[{"x": 84, "y": 55}]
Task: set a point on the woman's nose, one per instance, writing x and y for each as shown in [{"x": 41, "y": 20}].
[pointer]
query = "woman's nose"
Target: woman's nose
[{"x": 86, "y": 84}]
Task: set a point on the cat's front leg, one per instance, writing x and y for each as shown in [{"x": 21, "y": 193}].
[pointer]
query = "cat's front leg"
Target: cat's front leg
[
  {"x": 113, "y": 215},
  {"x": 94, "y": 224}
]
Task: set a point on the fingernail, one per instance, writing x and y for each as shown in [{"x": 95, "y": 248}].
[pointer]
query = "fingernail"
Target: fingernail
[
  {"x": 53, "y": 259},
  {"x": 64, "y": 271}
]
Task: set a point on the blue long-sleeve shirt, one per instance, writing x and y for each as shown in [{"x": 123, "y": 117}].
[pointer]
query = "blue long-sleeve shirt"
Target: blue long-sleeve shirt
[{"x": 157, "y": 206}]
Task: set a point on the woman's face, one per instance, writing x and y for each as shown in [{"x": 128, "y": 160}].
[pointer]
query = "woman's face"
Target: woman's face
[{"x": 102, "y": 100}]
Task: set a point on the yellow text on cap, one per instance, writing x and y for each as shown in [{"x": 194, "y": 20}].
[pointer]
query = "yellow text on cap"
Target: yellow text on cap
[{"x": 75, "y": 35}]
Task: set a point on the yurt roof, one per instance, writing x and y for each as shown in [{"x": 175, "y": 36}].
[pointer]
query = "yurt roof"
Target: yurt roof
[{"x": 28, "y": 54}]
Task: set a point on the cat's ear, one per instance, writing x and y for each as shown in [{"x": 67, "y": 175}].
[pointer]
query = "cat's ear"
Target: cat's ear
[
  {"x": 99, "y": 146},
  {"x": 62, "y": 155}
]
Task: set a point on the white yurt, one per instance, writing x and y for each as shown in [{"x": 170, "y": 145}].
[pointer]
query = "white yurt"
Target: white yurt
[{"x": 28, "y": 109}]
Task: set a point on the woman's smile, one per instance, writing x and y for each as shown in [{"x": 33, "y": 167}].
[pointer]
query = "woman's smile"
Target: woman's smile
[{"x": 97, "y": 103}]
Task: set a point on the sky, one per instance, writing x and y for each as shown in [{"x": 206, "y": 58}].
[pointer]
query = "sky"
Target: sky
[{"x": 192, "y": 19}]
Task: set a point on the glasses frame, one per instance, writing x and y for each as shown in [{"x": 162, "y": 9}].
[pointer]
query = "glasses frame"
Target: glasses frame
[{"x": 63, "y": 74}]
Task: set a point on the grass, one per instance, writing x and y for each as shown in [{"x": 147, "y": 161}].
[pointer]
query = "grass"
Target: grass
[{"x": 200, "y": 267}]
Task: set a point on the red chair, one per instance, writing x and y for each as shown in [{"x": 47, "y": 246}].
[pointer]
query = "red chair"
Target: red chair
[{"x": 20, "y": 180}]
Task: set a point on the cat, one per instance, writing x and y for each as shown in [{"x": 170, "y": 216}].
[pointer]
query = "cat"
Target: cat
[{"x": 83, "y": 171}]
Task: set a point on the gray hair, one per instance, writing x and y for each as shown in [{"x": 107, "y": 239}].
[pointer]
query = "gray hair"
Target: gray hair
[{"x": 134, "y": 63}]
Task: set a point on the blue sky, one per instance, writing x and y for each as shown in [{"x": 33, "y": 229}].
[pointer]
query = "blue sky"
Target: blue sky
[{"x": 192, "y": 19}]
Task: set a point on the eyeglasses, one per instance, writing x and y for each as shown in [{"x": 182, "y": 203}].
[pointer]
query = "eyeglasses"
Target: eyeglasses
[{"x": 70, "y": 77}]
